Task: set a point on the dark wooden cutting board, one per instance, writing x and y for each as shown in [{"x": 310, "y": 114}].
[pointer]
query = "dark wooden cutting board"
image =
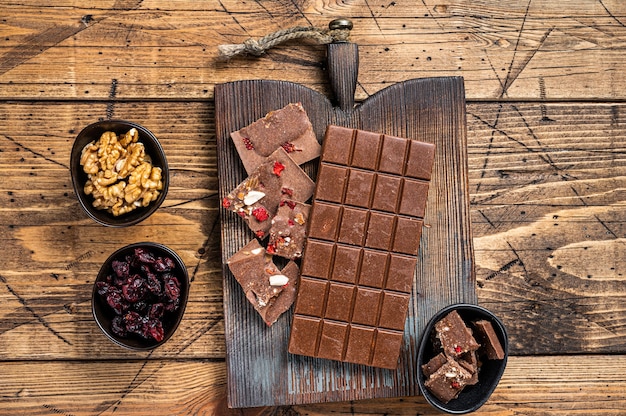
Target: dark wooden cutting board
[{"x": 260, "y": 370}]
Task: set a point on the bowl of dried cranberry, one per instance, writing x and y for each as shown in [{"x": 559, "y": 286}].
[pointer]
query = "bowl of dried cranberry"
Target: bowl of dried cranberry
[{"x": 140, "y": 295}]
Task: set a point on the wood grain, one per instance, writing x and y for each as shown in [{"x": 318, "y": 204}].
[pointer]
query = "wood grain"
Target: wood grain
[
  {"x": 533, "y": 386},
  {"x": 505, "y": 50}
]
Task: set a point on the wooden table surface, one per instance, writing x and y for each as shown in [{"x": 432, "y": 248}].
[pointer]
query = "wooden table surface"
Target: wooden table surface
[{"x": 546, "y": 119}]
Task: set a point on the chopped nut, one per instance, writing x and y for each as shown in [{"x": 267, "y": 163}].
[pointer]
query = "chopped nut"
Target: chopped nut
[{"x": 278, "y": 280}]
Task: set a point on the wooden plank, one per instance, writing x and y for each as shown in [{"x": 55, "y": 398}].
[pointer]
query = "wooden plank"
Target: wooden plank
[
  {"x": 515, "y": 191},
  {"x": 533, "y": 386},
  {"x": 508, "y": 50}
]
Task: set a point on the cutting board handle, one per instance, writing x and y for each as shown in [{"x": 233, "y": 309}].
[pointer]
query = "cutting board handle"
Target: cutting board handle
[{"x": 343, "y": 67}]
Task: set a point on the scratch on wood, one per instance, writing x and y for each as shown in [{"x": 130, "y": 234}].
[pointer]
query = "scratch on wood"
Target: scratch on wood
[
  {"x": 504, "y": 268},
  {"x": 28, "y": 149},
  {"x": 374, "y": 17},
  {"x": 39, "y": 319},
  {"x": 611, "y": 14},
  {"x": 519, "y": 36},
  {"x": 433, "y": 16},
  {"x": 302, "y": 13},
  {"x": 544, "y": 156},
  {"x": 111, "y": 103},
  {"x": 520, "y": 262},
  {"x": 542, "y": 96},
  {"x": 486, "y": 218},
  {"x": 606, "y": 227},
  {"x": 232, "y": 16},
  {"x": 53, "y": 409},
  {"x": 213, "y": 195}
]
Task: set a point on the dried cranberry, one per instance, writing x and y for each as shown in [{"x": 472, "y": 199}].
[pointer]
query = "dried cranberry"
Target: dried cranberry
[
  {"x": 152, "y": 328},
  {"x": 156, "y": 311},
  {"x": 278, "y": 168},
  {"x": 172, "y": 286},
  {"x": 120, "y": 268},
  {"x": 118, "y": 327},
  {"x": 163, "y": 264},
  {"x": 260, "y": 214},
  {"x": 102, "y": 287},
  {"x": 133, "y": 322},
  {"x": 290, "y": 147},
  {"x": 247, "y": 143},
  {"x": 154, "y": 285},
  {"x": 226, "y": 202},
  {"x": 144, "y": 256},
  {"x": 172, "y": 305},
  {"x": 116, "y": 301},
  {"x": 135, "y": 288}
]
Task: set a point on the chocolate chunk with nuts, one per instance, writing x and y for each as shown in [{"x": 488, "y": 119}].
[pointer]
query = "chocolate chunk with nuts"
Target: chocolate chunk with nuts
[
  {"x": 288, "y": 229},
  {"x": 447, "y": 382},
  {"x": 270, "y": 291},
  {"x": 455, "y": 337},
  {"x": 258, "y": 197},
  {"x": 289, "y": 128}
]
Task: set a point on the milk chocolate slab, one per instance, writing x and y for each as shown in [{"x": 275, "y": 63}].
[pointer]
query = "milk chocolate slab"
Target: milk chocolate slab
[
  {"x": 271, "y": 291},
  {"x": 288, "y": 230},
  {"x": 289, "y": 128},
  {"x": 361, "y": 248},
  {"x": 489, "y": 340},
  {"x": 259, "y": 196}
]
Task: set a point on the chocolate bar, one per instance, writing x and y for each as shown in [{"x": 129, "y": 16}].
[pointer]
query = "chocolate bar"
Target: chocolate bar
[
  {"x": 361, "y": 248},
  {"x": 289, "y": 128},
  {"x": 271, "y": 291}
]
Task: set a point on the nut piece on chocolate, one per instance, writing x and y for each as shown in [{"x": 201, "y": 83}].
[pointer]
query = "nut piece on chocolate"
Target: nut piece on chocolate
[
  {"x": 289, "y": 128},
  {"x": 258, "y": 197},
  {"x": 448, "y": 381},
  {"x": 271, "y": 291},
  {"x": 455, "y": 337},
  {"x": 288, "y": 230},
  {"x": 489, "y": 340}
]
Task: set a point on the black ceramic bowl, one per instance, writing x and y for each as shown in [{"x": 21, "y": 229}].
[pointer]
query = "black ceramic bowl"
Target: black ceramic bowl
[
  {"x": 79, "y": 177},
  {"x": 473, "y": 397},
  {"x": 104, "y": 314}
]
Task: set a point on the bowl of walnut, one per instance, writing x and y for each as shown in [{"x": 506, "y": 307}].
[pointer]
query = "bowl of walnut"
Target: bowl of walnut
[
  {"x": 119, "y": 172},
  {"x": 140, "y": 294}
]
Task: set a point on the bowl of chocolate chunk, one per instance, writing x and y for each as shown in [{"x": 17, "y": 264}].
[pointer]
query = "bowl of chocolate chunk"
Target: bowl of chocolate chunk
[
  {"x": 119, "y": 172},
  {"x": 461, "y": 358},
  {"x": 140, "y": 294}
]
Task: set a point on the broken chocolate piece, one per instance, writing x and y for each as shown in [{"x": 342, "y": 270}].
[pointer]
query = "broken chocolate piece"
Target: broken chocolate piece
[
  {"x": 288, "y": 229},
  {"x": 447, "y": 382},
  {"x": 434, "y": 364},
  {"x": 455, "y": 337},
  {"x": 361, "y": 248},
  {"x": 271, "y": 291},
  {"x": 258, "y": 197},
  {"x": 289, "y": 128},
  {"x": 489, "y": 340}
]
